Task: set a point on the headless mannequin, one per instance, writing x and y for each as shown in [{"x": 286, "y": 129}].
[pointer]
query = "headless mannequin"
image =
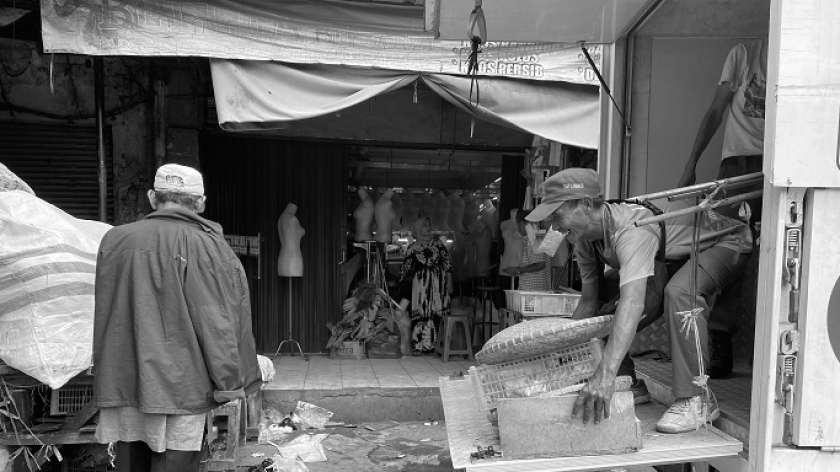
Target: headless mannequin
[
  {"x": 490, "y": 218},
  {"x": 411, "y": 209},
  {"x": 514, "y": 243},
  {"x": 398, "y": 209},
  {"x": 364, "y": 217},
  {"x": 440, "y": 215},
  {"x": 471, "y": 210},
  {"x": 458, "y": 257},
  {"x": 385, "y": 215},
  {"x": 456, "y": 211},
  {"x": 290, "y": 261},
  {"x": 427, "y": 205}
]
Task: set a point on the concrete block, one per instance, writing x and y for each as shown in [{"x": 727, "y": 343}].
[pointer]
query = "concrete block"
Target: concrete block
[{"x": 532, "y": 428}]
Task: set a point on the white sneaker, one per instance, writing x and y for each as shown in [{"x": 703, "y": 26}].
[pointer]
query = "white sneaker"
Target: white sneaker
[{"x": 686, "y": 414}]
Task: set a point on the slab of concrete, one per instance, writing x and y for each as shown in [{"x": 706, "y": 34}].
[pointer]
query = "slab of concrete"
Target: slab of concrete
[{"x": 356, "y": 405}]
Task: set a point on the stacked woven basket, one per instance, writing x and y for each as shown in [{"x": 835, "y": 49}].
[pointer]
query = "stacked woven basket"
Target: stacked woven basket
[{"x": 540, "y": 357}]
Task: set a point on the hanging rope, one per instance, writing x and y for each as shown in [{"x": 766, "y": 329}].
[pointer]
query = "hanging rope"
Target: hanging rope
[
  {"x": 604, "y": 86},
  {"x": 477, "y": 38},
  {"x": 688, "y": 323}
]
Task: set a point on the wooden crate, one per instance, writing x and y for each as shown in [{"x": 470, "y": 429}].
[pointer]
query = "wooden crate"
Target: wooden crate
[{"x": 224, "y": 426}]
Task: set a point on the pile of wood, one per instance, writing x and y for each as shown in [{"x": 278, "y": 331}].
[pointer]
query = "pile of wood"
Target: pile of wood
[{"x": 364, "y": 316}]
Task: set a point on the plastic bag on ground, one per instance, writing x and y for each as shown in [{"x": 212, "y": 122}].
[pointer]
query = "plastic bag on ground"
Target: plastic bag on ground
[
  {"x": 312, "y": 416},
  {"x": 47, "y": 273}
]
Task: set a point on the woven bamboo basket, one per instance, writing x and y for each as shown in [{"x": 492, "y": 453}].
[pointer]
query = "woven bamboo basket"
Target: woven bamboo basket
[{"x": 541, "y": 336}]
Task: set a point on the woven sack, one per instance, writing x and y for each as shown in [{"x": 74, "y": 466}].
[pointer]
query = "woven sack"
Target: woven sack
[{"x": 541, "y": 336}]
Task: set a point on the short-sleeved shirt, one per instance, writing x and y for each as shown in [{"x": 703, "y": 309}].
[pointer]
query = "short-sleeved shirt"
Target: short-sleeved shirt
[
  {"x": 539, "y": 281},
  {"x": 744, "y": 132},
  {"x": 632, "y": 250}
]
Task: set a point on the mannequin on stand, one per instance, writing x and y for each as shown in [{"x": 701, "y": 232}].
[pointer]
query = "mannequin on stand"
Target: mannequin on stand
[
  {"x": 385, "y": 216},
  {"x": 471, "y": 210},
  {"x": 363, "y": 214},
  {"x": 290, "y": 261},
  {"x": 456, "y": 212},
  {"x": 514, "y": 243},
  {"x": 440, "y": 215},
  {"x": 490, "y": 218}
]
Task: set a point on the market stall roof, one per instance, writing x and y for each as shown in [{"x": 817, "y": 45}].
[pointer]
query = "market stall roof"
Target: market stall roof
[
  {"x": 336, "y": 32},
  {"x": 259, "y": 96}
]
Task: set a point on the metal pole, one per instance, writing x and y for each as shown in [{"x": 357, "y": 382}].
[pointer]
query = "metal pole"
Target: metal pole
[
  {"x": 697, "y": 208},
  {"x": 102, "y": 170},
  {"x": 728, "y": 182}
]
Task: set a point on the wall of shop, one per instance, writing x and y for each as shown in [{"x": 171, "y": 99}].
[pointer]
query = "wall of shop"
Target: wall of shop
[
  {"x": 32, "y": 94},
  {"x": 679, "y": 53}
]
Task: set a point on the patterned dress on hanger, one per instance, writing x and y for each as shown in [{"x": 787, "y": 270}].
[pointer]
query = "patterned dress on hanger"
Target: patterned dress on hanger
[{"x": 427, "y": 264}]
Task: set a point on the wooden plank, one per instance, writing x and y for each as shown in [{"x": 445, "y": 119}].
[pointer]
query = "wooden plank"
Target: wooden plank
[
  {"x": 80, "y": 417},
  {"x": 63, "y": 437},
  {"x": 468, "y": 427}
]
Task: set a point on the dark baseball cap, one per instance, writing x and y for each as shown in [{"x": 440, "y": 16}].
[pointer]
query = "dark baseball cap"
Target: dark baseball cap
[{"x": 568, "y": 184}]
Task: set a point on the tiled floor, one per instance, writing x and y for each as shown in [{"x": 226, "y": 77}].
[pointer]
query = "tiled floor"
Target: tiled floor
[{"x": 323, "y": 373}]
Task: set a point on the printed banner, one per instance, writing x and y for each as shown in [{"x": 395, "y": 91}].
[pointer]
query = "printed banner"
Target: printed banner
[{"x": 356, "y": 34}]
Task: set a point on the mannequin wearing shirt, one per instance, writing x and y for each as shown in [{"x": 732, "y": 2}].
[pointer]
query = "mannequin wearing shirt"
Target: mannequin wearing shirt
[
  {"x": 364, "y": 217},
  {"x": 290, "y": 261}
]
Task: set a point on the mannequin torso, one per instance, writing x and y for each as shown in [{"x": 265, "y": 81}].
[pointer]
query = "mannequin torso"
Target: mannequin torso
[
  {"x": 427, "y": 205},
  {"x": 411, "y": 210},
  {"x": 385, "y": 215},
  {"x": 290, "y": 261},
  {"x": 514, "y": 243},
  {"x": 456, "y": 212},
  {"x": 490, "y": 218},
  {"x": 364, "y": 217},
  {"x": 440, "y": 215}
]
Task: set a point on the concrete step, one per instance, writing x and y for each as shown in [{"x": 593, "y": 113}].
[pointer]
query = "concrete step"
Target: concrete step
[{"x": 358, "y": 405}]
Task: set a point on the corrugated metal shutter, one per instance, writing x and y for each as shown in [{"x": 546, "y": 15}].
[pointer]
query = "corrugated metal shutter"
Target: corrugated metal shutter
[
  {"x": 249, "y": 181},
  {"x": 59, "y": 162}
]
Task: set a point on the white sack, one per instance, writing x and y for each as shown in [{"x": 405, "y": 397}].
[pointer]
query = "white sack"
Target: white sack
[{"x": 47, "y": 272}]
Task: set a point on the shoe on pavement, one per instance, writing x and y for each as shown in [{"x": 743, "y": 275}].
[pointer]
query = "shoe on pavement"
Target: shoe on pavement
[
  {"x": 640, "y": 392},
  {"x": 686, "y": 414},
  {"x": 720, "y": 354}
]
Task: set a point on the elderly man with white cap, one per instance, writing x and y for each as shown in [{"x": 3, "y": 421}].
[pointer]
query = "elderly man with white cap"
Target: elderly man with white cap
[
  {"x": 604, "y": 234},
  {"x": 172, "y": 329}
]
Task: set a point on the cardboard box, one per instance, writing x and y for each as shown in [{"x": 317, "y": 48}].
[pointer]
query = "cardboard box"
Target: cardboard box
[
  {"x": 348, "y": 350},
  {"x": 531, "y": 428}
]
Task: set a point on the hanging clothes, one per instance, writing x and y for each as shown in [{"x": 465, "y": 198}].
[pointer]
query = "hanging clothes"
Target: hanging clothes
[{"x": 427, "y": 265}]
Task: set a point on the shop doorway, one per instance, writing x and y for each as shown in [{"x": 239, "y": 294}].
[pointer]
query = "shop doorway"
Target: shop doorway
[{"x": 249, "y": 181}]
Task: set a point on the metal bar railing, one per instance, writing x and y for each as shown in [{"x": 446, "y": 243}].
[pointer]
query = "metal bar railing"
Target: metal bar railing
[
  {"x": 698, "y": 208},
  {"x": 736, "y": 181}
]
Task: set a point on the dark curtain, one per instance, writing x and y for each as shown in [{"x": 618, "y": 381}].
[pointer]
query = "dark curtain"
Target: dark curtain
[{"x": 249, "y": 182}]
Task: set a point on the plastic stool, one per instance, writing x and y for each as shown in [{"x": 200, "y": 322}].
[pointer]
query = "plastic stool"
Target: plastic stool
[
  {"x": 483, "y": 323},
  {"x": 444, "y": 340}
]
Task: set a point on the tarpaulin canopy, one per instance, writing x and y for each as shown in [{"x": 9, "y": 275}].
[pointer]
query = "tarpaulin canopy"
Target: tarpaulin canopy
[
  {"x": 259, "y": 95},
  {"x": 350, "y": 33}
]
